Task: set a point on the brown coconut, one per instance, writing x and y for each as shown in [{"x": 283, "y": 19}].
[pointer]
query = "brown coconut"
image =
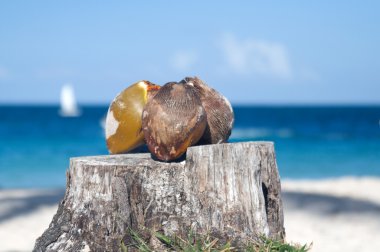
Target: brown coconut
[
  {"x": 173, "y": 120},
  {"x": 220, "y": 116}
]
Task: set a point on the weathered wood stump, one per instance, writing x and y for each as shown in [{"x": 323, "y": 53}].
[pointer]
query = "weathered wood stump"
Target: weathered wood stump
[{"x": 230, "y": 190}]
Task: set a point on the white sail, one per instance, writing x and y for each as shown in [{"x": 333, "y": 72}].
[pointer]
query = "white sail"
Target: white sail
[
  {"x": 103, "y": 122},
  {"x": 69, "y": 107}
]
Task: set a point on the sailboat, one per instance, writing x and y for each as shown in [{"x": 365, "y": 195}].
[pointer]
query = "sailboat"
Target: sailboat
[{"x": 69, "y": 107}]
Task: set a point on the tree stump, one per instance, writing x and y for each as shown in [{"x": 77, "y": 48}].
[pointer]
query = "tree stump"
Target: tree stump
[{"x": 229, "y": 190}]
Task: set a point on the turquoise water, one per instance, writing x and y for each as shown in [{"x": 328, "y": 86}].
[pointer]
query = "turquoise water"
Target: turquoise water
[{"x": 311, "y": 142}]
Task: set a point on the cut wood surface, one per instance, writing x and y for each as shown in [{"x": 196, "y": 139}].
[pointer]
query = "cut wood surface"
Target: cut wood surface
[{"x": 229, "y": 190}]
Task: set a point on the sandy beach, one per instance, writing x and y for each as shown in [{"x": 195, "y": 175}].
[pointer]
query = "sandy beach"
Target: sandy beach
[{"x": 335, "y": 214}]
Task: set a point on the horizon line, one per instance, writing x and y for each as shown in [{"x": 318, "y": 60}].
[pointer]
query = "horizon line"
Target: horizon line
[{"x": 237, "y": 104}]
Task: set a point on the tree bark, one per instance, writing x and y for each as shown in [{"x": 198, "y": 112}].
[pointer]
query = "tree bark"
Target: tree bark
[{"x": 229, "y": 190}]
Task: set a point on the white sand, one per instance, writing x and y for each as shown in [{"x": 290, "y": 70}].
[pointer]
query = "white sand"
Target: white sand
[
  {"x": 19, "y": 234},
  {"x": 24, "y": 216},
  {"x": 336, "y": 215}
]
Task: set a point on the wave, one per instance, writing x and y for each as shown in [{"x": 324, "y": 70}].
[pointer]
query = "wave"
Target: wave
[
  {"x": 243, "y": 133},
  {"x": 253, "y": 133}
]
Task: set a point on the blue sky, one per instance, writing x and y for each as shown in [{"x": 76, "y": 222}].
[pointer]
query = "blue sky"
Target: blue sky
[{"x": 272, "y": 52}]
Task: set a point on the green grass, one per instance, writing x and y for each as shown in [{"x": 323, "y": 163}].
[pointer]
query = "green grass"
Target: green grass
[{"x": 206, "y": 243}]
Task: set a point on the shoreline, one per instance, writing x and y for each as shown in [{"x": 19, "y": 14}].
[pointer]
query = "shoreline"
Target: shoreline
[
  {"x": 345, "y": 186},
  {"x": 335, "y": 214}
]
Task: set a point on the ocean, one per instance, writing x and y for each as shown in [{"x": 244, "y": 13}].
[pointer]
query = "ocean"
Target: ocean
[{"x": 311, "y": 141}]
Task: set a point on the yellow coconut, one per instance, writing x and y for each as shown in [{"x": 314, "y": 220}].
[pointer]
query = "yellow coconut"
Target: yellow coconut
[{"x": 123, "y": 122}]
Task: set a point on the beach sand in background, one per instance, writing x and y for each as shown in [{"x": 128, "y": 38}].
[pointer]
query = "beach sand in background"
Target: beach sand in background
[{"x": 335, "y": 214}]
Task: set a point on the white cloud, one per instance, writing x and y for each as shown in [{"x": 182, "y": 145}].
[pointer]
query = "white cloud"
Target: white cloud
[
  {"x": 184, "y": 60},
  {"x": 256, "y": 56}
]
